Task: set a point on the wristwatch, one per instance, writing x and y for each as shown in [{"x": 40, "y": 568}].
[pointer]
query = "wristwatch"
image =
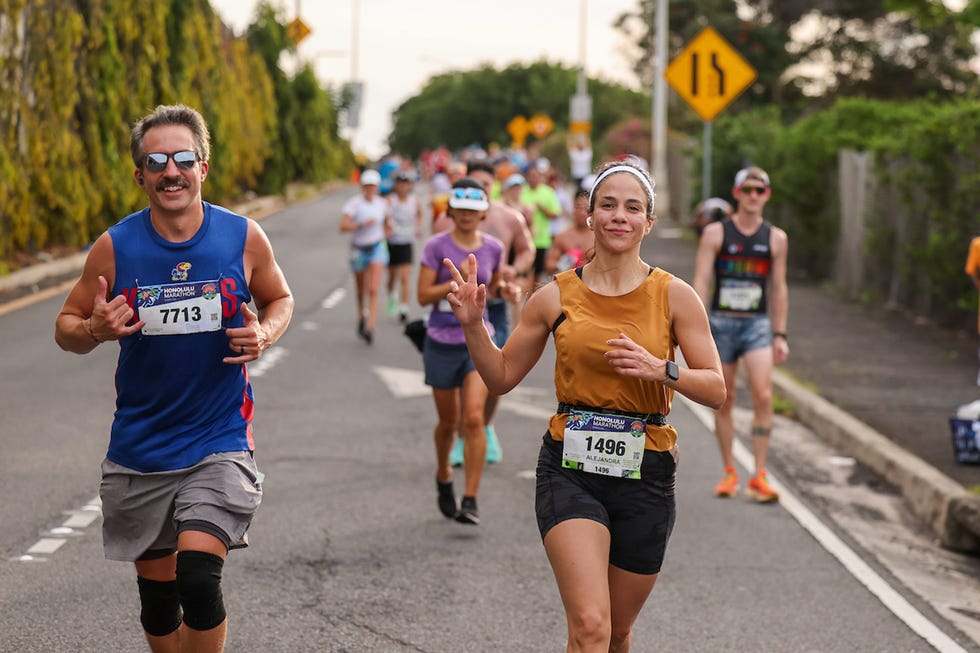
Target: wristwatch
[{"x": 673, "y": 372}]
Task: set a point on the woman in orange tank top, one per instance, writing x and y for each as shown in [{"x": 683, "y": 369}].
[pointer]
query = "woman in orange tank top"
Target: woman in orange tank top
[{"x": 608, "y": 458}]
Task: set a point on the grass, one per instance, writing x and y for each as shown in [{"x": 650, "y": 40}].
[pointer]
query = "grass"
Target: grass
[{"x": 783, "y": 406}]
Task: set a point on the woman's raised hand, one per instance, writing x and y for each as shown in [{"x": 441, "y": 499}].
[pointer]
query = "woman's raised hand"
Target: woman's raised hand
[{"x": 467, "y": 298}]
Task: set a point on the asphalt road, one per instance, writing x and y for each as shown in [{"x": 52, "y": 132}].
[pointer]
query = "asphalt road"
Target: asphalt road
[{"x": 350, "y": 554}]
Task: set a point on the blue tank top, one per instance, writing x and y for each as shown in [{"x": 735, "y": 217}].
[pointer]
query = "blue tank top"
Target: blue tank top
[{"x": 176, "y": 402}]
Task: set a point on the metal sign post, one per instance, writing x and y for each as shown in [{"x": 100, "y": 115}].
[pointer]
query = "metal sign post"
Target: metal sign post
[{"x": 709, "y": 74}]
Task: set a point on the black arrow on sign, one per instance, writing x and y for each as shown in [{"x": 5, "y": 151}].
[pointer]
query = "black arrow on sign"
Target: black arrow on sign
[
  {"x": 721, "y": 74},
  {"x": 717, "y": 69}
]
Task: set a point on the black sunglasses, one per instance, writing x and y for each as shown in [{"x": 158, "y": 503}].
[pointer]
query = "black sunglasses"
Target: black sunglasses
[
  {"x": 157, "y": 161},
  {"x": 758, "y": 190}
]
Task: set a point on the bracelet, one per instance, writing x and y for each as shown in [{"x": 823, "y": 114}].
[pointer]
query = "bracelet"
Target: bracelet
[
  {"x": 88, "y": 328},
  {"x": 780, "y": 334}
]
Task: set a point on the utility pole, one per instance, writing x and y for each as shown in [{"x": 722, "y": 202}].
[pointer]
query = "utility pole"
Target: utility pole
[{"x": 659, "y": 123}]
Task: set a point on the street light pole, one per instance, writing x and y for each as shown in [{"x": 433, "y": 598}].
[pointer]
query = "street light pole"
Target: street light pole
[
  {"x": 659, "y": 131},
  {"x": 580, "y": 88},
  {"x": 355, "y": 37}
]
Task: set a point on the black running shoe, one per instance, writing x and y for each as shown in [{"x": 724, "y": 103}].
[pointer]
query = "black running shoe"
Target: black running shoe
[
  {"x": 360, "y": 327},
  {"x": 447, "y": 498},
  {"x": 468, "y": 514},
  {"x": 368, "y": 336}
]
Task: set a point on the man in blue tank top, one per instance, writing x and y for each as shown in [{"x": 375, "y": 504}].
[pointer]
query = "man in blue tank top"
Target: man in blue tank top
[
  {"x": 171, "y": 283},
  {"x": 740, "y": 276}
]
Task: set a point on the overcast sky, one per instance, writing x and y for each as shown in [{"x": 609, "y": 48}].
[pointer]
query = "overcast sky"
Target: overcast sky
[{"x": 403, "y": 43}]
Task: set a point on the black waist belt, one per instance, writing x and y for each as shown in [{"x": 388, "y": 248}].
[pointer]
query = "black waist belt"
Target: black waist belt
[{"x": 656, "y": 419}]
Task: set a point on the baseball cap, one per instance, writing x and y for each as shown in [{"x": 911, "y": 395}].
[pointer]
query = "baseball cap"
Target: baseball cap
[
  {"x": 514, "y": 180},
  {"x": 715, "y": 203},
  {"x": 751, "y": 173},
  {"x": 370, "y": 178},
  {"x": 404, "y": 176}
]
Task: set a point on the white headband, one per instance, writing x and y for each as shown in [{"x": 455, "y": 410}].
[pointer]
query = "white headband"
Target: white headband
[{"x": 647, "y": 184}]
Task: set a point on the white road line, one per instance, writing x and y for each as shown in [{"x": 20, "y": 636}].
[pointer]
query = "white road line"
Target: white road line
[
  {"x": 333, "y": 298},
  {"x": 270, "y": 357},
  {"x": 829, "y": 540},
  {"x": 81, "y": 519},
  {"x": 77, "y": 521},
  {"x": 46, "y": 546}
]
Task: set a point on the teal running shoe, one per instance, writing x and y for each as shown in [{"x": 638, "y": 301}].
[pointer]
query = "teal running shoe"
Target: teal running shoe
[
  {"x": 494, "y": 453},
  {"x": 456, "y": 453}
]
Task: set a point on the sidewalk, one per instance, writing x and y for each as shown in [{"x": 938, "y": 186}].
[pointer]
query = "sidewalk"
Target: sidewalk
[{"x": 876, "y": 385}]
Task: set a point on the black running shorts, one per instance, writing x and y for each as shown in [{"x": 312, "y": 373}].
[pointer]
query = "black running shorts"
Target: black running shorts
[
  {"x": 639, "y": 513},
  {"x": 399, "y": 253}
]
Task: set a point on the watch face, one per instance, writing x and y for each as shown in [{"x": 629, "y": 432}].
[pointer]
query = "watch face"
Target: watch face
[{"x": 672, "y": 371}]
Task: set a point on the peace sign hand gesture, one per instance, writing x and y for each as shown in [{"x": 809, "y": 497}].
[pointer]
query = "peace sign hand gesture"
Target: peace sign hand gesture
[{"x": 467, "y": 299}]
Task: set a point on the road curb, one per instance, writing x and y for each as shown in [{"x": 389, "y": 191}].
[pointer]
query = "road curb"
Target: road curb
[{"x": 944, "y": 505}]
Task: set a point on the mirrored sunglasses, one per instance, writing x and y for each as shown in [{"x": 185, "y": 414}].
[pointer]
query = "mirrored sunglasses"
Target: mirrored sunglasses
[
  {"x": 469, "y": 194},
  {"x": 157, "y": 161}
]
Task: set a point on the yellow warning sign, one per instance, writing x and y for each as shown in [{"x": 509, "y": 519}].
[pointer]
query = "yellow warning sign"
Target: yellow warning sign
[
  {"x": 297, "y": 30},
  {"x": 709, "y": 74}
]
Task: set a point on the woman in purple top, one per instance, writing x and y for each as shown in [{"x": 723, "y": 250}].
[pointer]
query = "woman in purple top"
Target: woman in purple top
[{"x": 457, "y": 388}]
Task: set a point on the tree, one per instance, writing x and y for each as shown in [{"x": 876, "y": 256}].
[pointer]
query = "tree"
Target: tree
[
  {"x": 805, "y": 49},
  {"x": 306, "y": 133},
  {"x": 458, "y": 108}
]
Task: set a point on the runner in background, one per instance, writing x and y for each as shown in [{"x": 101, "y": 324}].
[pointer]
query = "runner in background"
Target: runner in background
[
  {"x": 544, "y": 203},
  {"x": 579, "y": 158},
  {"x": 573, "y": 247},
  {"x": 508, "y": 226},
  {"x": 713, "y": 209},
  {"x": 510, "y": 193},
  {"x": 460, "y": 394},
  {"x": 405, "y": 218},
  {"x": 455, "y": 170},
  {"x": 745, "y": 258},
  {"x": 364, "y": 216}
]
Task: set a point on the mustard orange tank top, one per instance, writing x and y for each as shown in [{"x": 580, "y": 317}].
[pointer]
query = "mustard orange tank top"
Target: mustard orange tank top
[{"x": 582, "y": 375}]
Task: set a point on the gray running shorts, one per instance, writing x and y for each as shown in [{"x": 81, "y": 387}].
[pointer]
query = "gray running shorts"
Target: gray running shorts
[{"x": 142, "y": 512}]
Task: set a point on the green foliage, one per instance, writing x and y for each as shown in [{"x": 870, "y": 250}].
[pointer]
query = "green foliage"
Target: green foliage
[
  {"x": 85, "y": 70},
  {"x": 459, "y": 108},
  {"x": 308, "y": 143},
  {"x": 806, "y": 52},
  {"x": 934, "y": 147}
]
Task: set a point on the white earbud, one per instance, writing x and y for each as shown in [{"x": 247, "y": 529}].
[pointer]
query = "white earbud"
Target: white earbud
[{"x": 588, "y": 222}]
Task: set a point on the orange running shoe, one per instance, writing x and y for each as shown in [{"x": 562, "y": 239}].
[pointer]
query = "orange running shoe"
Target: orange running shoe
[
  {"x": 758, "y": 489},
  {"x": 729, "y": 485}
]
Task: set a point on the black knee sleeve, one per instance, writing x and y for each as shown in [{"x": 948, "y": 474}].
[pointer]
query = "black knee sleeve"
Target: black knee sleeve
[
  {"x": 159, "y": 606},
  {"x": 199, "y": 589}
]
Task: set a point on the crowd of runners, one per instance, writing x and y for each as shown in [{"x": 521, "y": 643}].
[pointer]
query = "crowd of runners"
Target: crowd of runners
[{"x": 511, "y": 257}]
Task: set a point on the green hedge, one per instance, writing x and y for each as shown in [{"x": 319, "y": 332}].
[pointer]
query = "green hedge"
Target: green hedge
[{"x": 84, "y": 70}]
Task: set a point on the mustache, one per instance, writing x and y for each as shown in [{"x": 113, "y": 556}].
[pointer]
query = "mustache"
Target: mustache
[{"x": 173, "y": 181}]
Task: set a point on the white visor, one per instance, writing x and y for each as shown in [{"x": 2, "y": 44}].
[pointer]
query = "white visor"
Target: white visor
[{"x": 468, "y": 198}]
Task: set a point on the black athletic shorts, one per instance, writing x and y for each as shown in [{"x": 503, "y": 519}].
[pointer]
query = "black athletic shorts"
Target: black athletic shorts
[
  {"x": 639, "y": 513},
  {"x": 399, "y": 253}
]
